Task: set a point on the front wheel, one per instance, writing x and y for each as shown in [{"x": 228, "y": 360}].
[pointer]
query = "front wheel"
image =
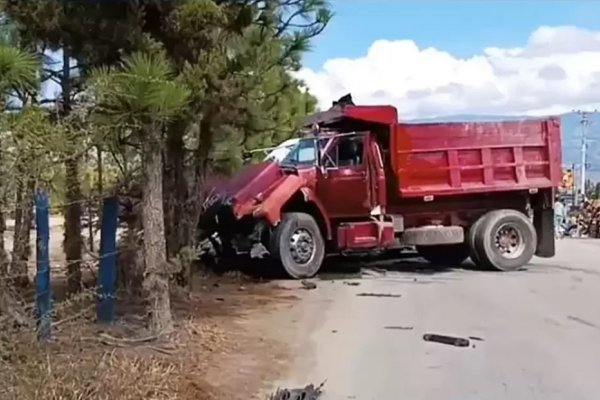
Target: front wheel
[
  {"x": 505, "y": 240},
  {"x": 297, "y": 244}
]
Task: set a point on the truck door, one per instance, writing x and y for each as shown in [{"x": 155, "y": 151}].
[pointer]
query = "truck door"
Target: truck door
[
  {"x": 343, "y": 184},
  {"x": 376, "y": 177}
]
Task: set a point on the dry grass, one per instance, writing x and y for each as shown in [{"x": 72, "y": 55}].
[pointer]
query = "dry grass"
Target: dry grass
[
  {"x": 88, "y": 361},
  {"x": 85, "y": 362},
  {"x": 80, "y": 373}
]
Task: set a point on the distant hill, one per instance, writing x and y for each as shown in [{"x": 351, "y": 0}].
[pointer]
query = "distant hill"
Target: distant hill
[{"x": 571, "y": 136}]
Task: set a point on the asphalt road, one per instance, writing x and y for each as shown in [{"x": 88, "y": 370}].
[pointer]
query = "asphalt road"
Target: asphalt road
[{"x": 540, "y": 329}]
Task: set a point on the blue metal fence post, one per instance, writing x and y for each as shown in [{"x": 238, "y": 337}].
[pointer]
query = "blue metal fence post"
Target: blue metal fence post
[
  {"x": 42, "y": 279},
  {"x": 108, "y": 260}
]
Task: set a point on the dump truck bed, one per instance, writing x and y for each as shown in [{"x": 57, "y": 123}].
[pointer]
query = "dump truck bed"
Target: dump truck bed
[{"x": 456, "y": 158}]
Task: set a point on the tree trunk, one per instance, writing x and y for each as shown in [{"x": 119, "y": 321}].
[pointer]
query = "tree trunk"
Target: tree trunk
[
  {"x": 156, "y": 279},
  {"x": 73, "y": 240},
  {"x": 176, "y": 193},
  {"x": 22, "y": 234},
  {"x": 3, "y": 253},
  {"x": 130, "y": 263}
]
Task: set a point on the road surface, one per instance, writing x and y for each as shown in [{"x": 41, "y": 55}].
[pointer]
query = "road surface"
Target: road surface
[{"x": 540, "y": 329}]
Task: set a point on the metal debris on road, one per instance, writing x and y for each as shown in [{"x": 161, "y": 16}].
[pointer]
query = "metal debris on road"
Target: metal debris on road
[
  {"x": 308, "y": 285},
  {"x": 449, "y": 340},
  {"x": 309, "y": 392},
  {"x": 476, "y": 338},
  {"x": 378, "y": 295},
  {"x": 373, "y": 272},
  {"x": 583, "y": 321},
  {"x": 400, "y": 328},
  {"x": 351, "y": 283}
]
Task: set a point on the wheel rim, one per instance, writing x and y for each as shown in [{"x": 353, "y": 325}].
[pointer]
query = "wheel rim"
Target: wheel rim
[
  {"x": 302, "y": 246},
  {"x": 509, "y": 241}
]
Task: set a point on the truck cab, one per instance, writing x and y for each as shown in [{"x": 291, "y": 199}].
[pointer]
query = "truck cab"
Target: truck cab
[{"x": 359, "y": 181}]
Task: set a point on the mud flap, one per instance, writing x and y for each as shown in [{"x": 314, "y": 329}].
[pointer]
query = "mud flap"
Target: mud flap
[{"x": 543, "y": 221}]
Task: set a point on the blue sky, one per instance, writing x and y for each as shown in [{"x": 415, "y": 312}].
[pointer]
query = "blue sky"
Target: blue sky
[
  {"x": 460, "y": 27},
  {"x": 464, "y": 29}
]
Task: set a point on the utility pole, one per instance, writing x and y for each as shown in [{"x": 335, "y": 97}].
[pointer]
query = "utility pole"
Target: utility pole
[{"x": 585, "y": 122}]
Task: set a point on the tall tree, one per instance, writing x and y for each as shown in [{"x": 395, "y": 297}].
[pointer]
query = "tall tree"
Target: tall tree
[
  {"x": 141, "y": 96},
  {"x": 237, "y": 54},
  {"x": 48, "y": 25},
  {"x": 19, "y": 73}
]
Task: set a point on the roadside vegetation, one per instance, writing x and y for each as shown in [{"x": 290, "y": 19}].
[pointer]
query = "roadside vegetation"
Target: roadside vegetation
[{"x": 145, "y": 100}]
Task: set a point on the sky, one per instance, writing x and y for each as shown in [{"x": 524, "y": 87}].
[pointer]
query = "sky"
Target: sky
[{"x": 445, "y": 57}]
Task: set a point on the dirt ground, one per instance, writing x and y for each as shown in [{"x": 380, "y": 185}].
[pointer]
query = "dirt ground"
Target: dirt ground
[
  {"x": 229, "y": 340},
  {"x": 227, "y": 344},
  {"x": 245, "y": 350}
]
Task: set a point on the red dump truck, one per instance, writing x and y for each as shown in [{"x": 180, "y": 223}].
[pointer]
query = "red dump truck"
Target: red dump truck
[{"x": 361, "y": 181}]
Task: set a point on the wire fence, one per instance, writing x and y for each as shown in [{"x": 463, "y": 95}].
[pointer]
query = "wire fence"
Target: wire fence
[{"x": 106, "y": 259}]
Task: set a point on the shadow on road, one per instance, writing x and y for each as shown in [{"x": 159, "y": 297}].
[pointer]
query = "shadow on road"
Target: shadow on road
[
  {"x": 410, "y": 264},
  {"x": 354, "y": 267}
]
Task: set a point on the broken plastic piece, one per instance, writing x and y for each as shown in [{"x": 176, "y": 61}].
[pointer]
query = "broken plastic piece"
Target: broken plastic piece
[{"x": 449, "y": 340}]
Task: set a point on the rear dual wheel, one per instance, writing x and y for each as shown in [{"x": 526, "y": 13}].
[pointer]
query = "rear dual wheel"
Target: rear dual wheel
[{"x": 504, "y": 240}]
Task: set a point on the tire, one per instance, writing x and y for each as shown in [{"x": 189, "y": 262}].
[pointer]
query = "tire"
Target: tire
[
  {"x": 302, "y": 229},
  {"x": 452, "y": 255},
  {"x": 471, "y": 234},
  {"x": 517, "y": 229}
]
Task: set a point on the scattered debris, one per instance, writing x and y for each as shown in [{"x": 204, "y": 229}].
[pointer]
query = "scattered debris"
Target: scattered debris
[
  {"x": 449, "y": 340},
  {"x": 400, "y": 328},
  {"x": 308, "y": 285},
  {"x": 334, "y": 331},
  {"x": 219, "y": 299},
  {"x": 583, "y": 321},
  {"x": 351, "y": 283},
  {"x": 309, "y": 392},
  {"x": 476, "y": 338},
  {"x": 373, "y": 272},
  {"x": 258, "y": 250},
  {"x": 378, "y": 295}
]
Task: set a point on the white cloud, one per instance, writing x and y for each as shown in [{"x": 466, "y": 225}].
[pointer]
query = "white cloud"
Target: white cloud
[{"x": 557, "y": 70}]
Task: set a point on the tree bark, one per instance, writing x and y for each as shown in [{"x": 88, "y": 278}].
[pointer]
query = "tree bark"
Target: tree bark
[
  {"x": 22, "y": 234},
  {"x": 176, "y": 189},
  {"x": 156, "y": 277},
  {"x": 3, "y": 253},
  {"x": 73, "y": 240}
]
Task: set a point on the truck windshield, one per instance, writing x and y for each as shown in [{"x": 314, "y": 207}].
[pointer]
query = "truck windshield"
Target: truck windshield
[{"x": 303, "y": 153}]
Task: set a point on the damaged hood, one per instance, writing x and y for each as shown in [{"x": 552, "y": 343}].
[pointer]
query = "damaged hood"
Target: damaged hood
[
  {"x": 242, "y": 191},
  {"x": 249, "y": 182}
]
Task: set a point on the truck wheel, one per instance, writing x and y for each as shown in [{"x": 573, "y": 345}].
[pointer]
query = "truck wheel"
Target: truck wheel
[
  {"x": 298, "y": 245},
  {"x": 445, "y": 254},
  {"x": 505, "y": 240},
  {"x": 471, "y": 234}
]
